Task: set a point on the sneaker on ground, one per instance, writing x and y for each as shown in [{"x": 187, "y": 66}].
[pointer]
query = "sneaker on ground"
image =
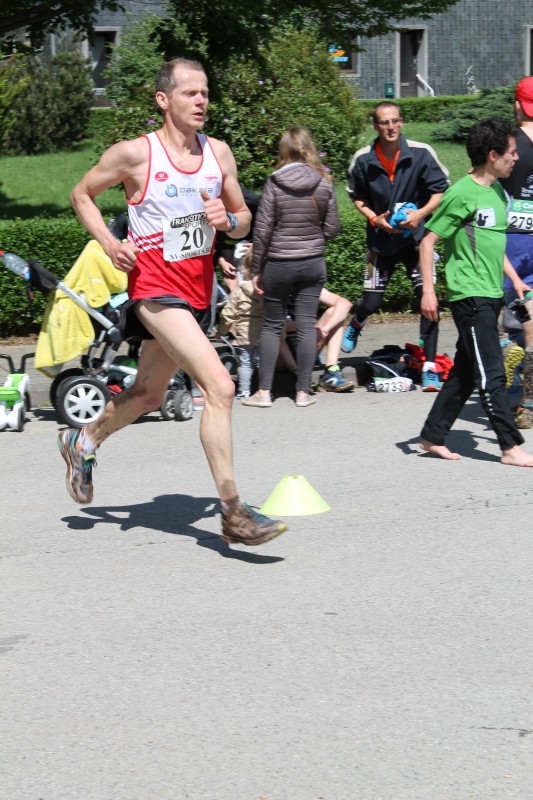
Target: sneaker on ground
[
  {"x": 79, "y": 466},
  {"x": 241, "y": 524},
  {"x": 334, "y": 381},
  {"x": 349, "y": 340},
  {"x": 431, "y": 381},
  {"x": 242, "y": 395},
  {"x": 513, "y": 356}
]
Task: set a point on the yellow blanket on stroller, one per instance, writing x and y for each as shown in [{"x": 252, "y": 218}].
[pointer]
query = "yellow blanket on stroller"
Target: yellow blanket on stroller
[{"x": 67, "y": 330}]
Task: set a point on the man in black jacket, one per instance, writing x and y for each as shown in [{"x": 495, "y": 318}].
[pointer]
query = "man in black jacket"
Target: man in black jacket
[{"x": 382, "y": 179}]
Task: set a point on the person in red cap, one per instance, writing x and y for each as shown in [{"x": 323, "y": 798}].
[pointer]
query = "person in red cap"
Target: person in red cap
[{"x": 519, "y": 250}]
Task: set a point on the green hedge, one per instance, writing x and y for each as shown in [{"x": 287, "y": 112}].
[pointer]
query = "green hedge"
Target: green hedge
[
  {"x": 101, "y": 121},
  {"x": 57, "y": 243},
  {"x": 421, "y": 109}
]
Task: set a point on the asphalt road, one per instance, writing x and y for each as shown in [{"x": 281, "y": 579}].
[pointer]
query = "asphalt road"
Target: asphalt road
[{"x": 379, "y": 651}]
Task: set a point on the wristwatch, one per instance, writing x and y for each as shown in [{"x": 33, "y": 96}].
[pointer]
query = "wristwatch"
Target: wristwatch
[{"x": 233, "y": 221}]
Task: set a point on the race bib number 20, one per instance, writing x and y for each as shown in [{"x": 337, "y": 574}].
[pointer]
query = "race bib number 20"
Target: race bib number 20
[{"x": 187, "y": 237}]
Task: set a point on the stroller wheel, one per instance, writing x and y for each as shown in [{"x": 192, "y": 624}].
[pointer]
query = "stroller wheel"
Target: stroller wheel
[
  {"x": 167, "y": 406},
  {"x": 183, "y": 405},
  {"x": 227, "y": 354},
  {"x": 231, "y": 363},
  {"x": 81, "y": 400},
  {"x": 58, "y": 380}
]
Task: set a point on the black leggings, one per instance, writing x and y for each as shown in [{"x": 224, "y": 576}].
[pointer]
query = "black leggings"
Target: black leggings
[{"x": 302, "y": 281}]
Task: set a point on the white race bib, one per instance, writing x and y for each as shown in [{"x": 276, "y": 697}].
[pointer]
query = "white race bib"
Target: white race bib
[
  {"x": 520, "y": 215},
  {"x": 187, "y": 237}
]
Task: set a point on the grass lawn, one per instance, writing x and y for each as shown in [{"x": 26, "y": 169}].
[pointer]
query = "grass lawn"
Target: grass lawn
[
  {"x": 33, "y": 186},
  {"x": 40, "y": 185}
]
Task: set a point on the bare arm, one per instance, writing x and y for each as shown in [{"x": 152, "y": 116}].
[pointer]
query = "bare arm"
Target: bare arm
[
  {"x": 378, "y": 220},
  {"x": 123, "y": 162},
  {"x": 429, "y": 305}
]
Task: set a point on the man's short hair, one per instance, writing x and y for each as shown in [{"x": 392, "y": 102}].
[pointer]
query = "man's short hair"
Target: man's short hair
[
  {"x": 487, "y": 135},
  {"x": 385, "y": 104},
  {"x": 165, "y": 80}
]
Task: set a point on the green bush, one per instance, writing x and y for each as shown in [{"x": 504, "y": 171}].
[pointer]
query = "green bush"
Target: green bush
[
  {"x": 53, "y": 109},
  {"x": 130, "y": 78},
  {"x": 14, "y": 80},
  {"x": 421, "y": 109},
  {"x": 56, "y": 244},
  {"x": 455, "y": 126},
  {"x": 101, "y": 120},
  {"x": 294, "y": 82}
]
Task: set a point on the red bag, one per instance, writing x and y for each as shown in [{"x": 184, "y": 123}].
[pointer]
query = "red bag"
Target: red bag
[{"x": 443, "y": 363}]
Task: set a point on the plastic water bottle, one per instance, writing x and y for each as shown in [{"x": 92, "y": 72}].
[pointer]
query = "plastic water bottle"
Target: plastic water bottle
[
  {"x": 16, "y": 264},
  {"x": 240, "y": 250}
]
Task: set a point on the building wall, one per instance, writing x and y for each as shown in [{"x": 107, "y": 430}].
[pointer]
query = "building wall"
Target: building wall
[
  {"x": 475, "y": 45},
  {"x": 133, "y": 9}
]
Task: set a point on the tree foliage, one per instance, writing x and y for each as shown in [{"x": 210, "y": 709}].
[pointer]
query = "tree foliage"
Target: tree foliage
[
  {"x": 292, "y": 81},
  {"x": 457, "y": 122},
  {"x": 229, "y": 27},
  {"x": 39, "y": 17},
  {"x": 226, "y": 26},
  {"x": 51, "y": 108}
]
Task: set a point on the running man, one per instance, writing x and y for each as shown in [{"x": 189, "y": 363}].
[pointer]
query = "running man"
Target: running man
[{"x": 181, "y": 187}]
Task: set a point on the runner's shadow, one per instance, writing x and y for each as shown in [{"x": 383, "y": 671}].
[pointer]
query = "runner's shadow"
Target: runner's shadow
[{"x": 168, "y": 513}]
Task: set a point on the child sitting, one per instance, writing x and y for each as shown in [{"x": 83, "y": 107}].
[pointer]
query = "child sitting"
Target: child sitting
[{"x": 243, "y": 314}]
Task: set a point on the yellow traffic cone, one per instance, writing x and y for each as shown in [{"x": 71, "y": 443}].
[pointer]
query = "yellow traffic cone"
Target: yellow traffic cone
[{"x": 294, "y": 497}]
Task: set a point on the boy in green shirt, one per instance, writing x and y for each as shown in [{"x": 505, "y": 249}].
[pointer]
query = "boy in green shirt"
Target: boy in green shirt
[{"x": 472, "y": 220}]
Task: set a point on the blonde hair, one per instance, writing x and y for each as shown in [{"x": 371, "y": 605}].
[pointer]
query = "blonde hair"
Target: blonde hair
[{"x": 296, "y": 145}]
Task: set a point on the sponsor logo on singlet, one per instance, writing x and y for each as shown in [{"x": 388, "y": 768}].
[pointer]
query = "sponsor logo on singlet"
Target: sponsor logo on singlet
[
  {"x": 211, "y": 178},
  {"x": 172, "y": 190},
  {"x": 161, "y": 176}
]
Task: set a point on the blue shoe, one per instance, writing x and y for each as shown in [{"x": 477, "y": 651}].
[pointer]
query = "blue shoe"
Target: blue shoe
[
  {"x": 349, "y": 340},
  {"x": 431, "y": 381},
  {"x": 334, "y": 381}
]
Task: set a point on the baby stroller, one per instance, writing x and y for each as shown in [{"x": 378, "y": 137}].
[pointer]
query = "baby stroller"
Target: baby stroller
[{"x": 80, "y": 394}]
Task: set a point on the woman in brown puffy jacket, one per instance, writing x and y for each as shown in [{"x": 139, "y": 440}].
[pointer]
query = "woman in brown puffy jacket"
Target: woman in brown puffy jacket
[{"x": 297, "y": 215}]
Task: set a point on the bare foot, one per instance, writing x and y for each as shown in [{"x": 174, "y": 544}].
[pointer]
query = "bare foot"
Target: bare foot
[
  {"x": 439, "y": 450},
  {"x": 516, "y": 457}
]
